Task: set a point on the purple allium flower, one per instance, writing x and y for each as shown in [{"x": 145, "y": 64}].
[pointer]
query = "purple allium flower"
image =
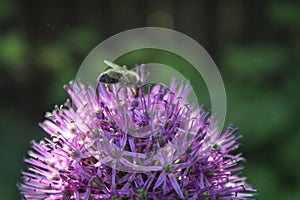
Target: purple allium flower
[{"x": 111, "y": 145}]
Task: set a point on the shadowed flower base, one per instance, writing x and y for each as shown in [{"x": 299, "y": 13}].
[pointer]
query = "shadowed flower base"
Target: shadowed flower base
[{"x": 153, "y": 146}]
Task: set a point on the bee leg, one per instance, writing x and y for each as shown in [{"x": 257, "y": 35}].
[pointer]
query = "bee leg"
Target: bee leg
[
  {"x": 108, "y": 89},
  {"x": 134, "y": 92},
  {"x": 118, "y": 91}
]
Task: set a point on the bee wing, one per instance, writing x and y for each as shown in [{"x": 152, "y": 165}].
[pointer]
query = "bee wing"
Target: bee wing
[
  {"x": 114, "y": 66},
  {"x": 114, "y": 74}
]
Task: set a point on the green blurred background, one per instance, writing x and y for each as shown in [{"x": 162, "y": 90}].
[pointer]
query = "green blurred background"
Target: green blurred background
[{"x": 255, "y": 44}]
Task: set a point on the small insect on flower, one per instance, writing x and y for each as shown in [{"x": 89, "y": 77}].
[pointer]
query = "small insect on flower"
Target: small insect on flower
[
  {"x": 118, "y": 74},
  {"x": 89, "y": 161}
]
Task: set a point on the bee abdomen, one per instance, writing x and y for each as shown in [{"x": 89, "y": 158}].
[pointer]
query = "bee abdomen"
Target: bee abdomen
[{"x": 104, "y": 78}]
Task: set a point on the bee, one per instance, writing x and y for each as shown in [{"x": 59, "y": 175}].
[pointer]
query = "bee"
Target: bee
[
  {"x": 89, "y": 161},
  {"x": 120, "y": 75}
]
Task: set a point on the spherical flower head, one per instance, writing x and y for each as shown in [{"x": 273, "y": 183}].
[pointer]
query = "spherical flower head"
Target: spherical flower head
[{"x": 109, "y": 143}]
